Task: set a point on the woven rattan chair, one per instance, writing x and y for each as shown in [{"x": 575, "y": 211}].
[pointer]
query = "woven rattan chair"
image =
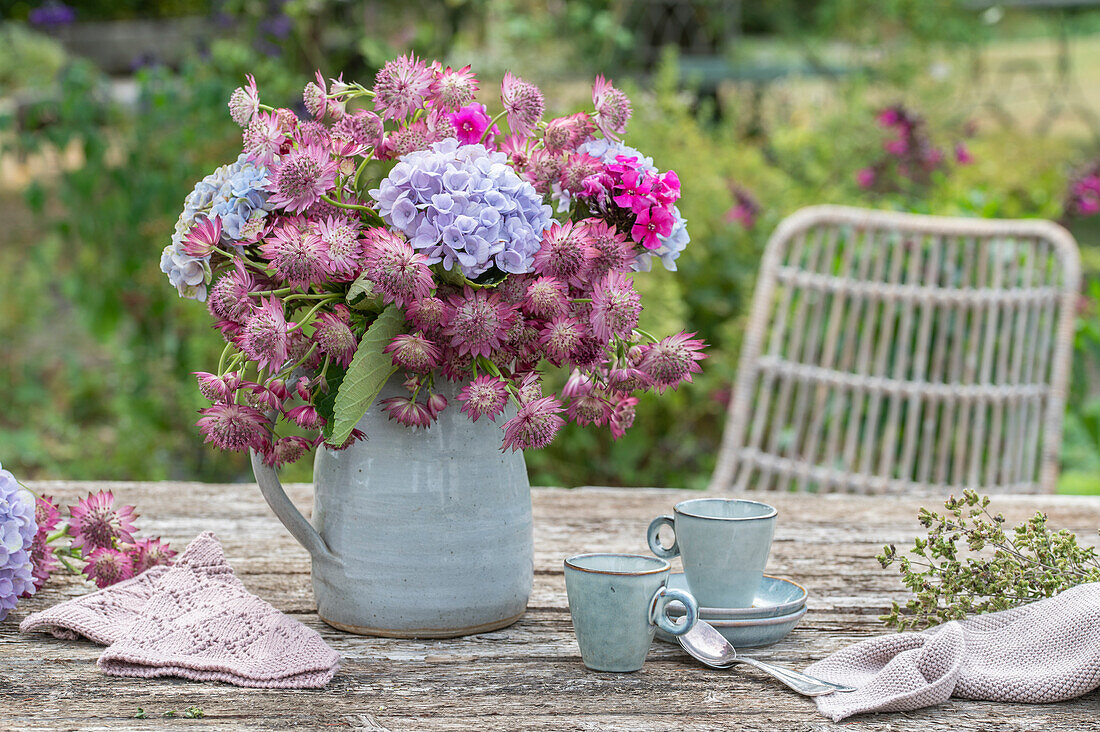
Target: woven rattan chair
[{"x": 891, "y": 352}]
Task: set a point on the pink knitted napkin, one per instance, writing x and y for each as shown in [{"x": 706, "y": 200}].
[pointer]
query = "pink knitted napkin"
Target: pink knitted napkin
[
  {"x": 196, "y": 620},
  {"x": 1043, "y": 652}
]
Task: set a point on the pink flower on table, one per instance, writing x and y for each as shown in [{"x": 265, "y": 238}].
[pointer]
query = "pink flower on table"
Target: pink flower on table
[
  {"x": 470, "y": 124},
  {"x": 484, "y": 396},
  {"x": 651, "y": 224},
  {"x": 302, "y": 177},
  {"x": 95, "y": 522},
  {"x": 107, "y": 566},
  {"x": 523, "y": 103},
  {"x": 612, "y": 108},
  {"x": 147, "y": 553},
  {"x": 865, "y": 177},
  {"x": 535, "y": 426}
]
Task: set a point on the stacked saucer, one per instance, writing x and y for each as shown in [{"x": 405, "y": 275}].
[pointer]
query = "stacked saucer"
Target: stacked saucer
[{"x": 777, "y": 609}]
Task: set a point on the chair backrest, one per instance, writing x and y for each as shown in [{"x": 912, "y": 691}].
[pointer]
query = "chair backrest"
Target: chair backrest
[{"x": 891, "y": 352}]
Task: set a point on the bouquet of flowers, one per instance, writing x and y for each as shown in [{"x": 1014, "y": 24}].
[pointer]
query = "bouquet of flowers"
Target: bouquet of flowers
[
  {"x": 397, "y": 228},
  {"x": 35, "y": 541}
]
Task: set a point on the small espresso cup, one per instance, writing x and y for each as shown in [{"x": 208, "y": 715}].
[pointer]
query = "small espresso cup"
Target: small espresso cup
[
  {"x": 617, "y": 602},
  {"x": 724, "y": 544}
]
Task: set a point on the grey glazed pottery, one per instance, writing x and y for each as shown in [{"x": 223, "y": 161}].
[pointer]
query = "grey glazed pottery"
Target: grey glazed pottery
[
  {"x": 775, "y": 596},
  {"x": 751, "y": 632},
  {"x": 617, "y": 602},
  {"x": 416, "y": 533},
  {"x": 724, "y": 544}
]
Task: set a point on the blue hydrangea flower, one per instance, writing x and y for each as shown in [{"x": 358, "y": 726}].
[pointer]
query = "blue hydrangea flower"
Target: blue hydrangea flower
[
  {"x": 237, "y": 194},
  {"x": 671, "y": 245},
  {"x": 462, "y": 204},
  {"x": 17, "y": 530}
]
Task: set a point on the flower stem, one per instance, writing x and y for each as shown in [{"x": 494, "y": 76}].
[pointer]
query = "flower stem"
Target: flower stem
[
  {"x": 489, "y": 128},
  {"x": 225, "y": 355},
  {"x": 353, "y": 206},
  {"x": 302, "y": 360},
  {"x": 646, "y": 334},
  {"x": 312, "y": 312}
]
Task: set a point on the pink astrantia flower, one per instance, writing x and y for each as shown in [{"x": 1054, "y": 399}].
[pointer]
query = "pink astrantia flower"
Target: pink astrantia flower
[
  {"x": 622, "y": 416},
  {"x": 315, "y": 97},
  {"x": 302, "y": 177},
  {"x": 147, "y": 553},
  {"x": 477, "y": 322},
  {"x": 233, "y": 427},
  {"x": 436, "y": 403},
  {"x": 399, "y": 272},
  {"x": 651, "y": 224},
  {"x": 589, "y": 409},
  {"x": 203, "y": 237},
  {"x": 299, "y": 257},
  {"x": 408, "y": 411},
  {"x": 672, "y": 360},
  {"x": 612, "y": 108},
  {"x": 627, "y": 379},
  {"x": 229, "y": 298},
  {"x": 564, "y": 254},
  {"x": 244, "y": 102},
  {"x": 401, "y": 87},
  {"x": 455, "y": 88},
  {"x": 414, "y": 352},
  {"x": 217, "y": 388},
  {"x": 305, "y": 416},
  {"x": 561, "y": 337},
  {"x": 578, "y": 384},
  {"x": 427, "y": 313},
  {"x": 484, "y": 396},
  {"x": 287, "y": 450},
  {"x": 265, "y": 336},
  {"x": 95, "y": 522},
  {"x": 47, "y": 515},
  {"x": 546, "y": 298},
  {"x": 470, "y": 124},
  {"x": 611, "y": 252},
  {"x": 523, "y": 102},
  {"x": 334, "y": 338},
  {"x": 341, "y": 239},
  {"x": 568, "y": 133},
  {"x": 107, "y": 566},
  {"x": 265, "y": 139},
  {"x": 615, "y": 306},
  {"x": 534, "y": 426}
]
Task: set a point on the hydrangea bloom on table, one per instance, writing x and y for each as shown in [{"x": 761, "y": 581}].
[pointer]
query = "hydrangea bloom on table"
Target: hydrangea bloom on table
[{"x": 401, "y": 228}]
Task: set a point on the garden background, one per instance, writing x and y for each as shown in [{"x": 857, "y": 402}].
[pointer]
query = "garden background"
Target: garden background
[{"x": 111, "y": 109}]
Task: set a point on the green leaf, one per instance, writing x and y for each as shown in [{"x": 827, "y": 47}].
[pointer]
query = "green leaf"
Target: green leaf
[
  {"x": 362, "y": 296},
  {"x": 324, "y": 399},
  {"x": 368, "y": 372}
]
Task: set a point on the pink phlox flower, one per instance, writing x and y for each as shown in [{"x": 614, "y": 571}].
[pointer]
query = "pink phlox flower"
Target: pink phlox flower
[
  {"x": 534, "y": 426},
  {"x": 302, "y": 177},
  {"x": 470, "y": 124},
  {"x": 203, "y": 236},
  {"x": 612, "y": 108},
  {"x": 962, "y": 154},
  {"x": 95, "y": 522},
  {"x": 107, "y": 566},
  {"x": 408, "y": 411},
  {"x": 651, "y": 224},
  {"x": 865, "y": 177},
  {"x": 896, "y": 147},
  {"x": 484, "y": 396},
  {"x": 635, "y": 186}
]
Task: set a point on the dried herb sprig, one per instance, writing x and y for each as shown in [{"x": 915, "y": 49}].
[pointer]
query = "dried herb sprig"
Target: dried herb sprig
[{"x": 969, "y": 564}]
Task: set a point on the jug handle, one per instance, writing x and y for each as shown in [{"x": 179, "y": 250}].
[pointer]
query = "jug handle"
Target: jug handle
[{"x": 285, "y": 510}]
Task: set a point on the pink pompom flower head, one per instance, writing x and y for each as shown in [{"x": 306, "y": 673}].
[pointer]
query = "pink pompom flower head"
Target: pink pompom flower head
[
  {"x": 107, "y": 566},
  {"x": 523, "y": 102},
  {"x": 414, "y": 352},
  {"x": 402, "y": 86},
  {"x": 97, "y": 523},
  {"x": 147, "y": 553},
  {"x": 455, "y": 88},
  {"x": 265, "y": 337},
  {"x": 234, "y": 427},
  {"x": 484, "y": 396},
  {"x": 399, "y": 272},
  {"x": 616, "y": 306},
  {"x": 673, "y": 360},
  {"x": 408, "y": 411},
  {"x": 244, "y": 102},
  {"x": 302, "y": 177},
  {"x": 564, "y": 254},
  {"x": 612, "y": 108},
  {"x": 477, "y": 322},
  {"x": 534, "y": 426},
  {"x": 203, "y": 237}
]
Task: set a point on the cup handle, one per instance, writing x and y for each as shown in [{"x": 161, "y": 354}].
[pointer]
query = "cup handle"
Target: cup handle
[
  {"x": 655, "y": 541},
  {"x": 658, "y": 616}
]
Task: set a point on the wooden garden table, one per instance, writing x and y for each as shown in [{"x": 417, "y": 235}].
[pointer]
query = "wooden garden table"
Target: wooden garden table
[{"x": 528, "y": 676}]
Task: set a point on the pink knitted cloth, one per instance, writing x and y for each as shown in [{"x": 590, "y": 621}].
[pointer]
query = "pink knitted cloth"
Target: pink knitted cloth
[
  {"x": 195, "y": 620},
  {"x": 1046, "y": 651}
]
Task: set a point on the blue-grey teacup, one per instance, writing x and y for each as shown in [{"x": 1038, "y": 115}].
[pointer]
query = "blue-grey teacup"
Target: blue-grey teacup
[
  {"x": 724, "y": 544},
  {"x": 617, "y": 602}
]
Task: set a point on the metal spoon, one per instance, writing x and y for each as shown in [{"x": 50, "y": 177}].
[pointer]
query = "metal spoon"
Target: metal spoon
[{"x": 707, "y": 645}]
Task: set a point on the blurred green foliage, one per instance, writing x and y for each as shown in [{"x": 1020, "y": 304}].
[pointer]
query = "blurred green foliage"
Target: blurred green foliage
[{"x": 98, "y": 349}]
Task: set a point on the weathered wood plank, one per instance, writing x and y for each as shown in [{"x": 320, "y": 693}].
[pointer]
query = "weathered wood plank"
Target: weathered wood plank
[{"x": 527, "y": 676}]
